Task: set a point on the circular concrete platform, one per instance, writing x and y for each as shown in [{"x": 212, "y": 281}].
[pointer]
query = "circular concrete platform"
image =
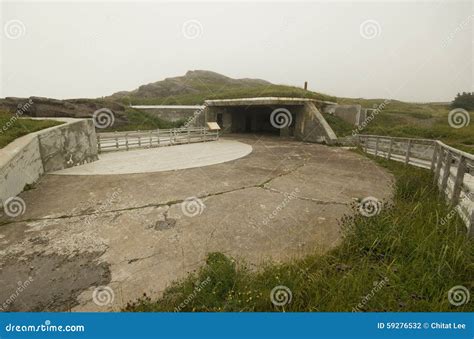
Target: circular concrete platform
[{"x": 162, "y": 158}]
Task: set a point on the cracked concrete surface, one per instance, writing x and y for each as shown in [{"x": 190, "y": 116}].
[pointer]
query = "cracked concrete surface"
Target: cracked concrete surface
[{"x": 137, "y": 233}]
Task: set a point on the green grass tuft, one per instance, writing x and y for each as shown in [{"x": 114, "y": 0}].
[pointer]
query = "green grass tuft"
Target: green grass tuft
[
  {"x": 12, "y": 127},
  {"x": 339, "y": 126}
]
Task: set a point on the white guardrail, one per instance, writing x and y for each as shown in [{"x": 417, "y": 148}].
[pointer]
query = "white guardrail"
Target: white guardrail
[
  {"x": 453, "y": 169},
  {"x": 115, "y": 141}
]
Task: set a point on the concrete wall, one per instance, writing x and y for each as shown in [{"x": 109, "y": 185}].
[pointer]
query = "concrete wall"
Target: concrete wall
[
  {"x": 26, "y": 159},
  {"x": 353, "y": 114},
  {"x": 311, "y": 126},
  {"x": 20, "y": 164},
  {"x": 210, "y": 115},
  {"x": 349, "y": 113},
  {"x": 69, "y": 145},
  {"x": 363, "y": 115}
]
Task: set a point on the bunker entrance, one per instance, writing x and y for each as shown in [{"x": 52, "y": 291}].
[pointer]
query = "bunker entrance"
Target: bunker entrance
[
  {"x": 258, "y": 119},
  {"x": 286, "y": 117}
]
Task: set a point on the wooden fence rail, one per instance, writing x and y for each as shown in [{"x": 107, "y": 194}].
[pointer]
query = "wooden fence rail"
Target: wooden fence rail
[
  {"x": 453, "y": 169},
  {"x": 115, "y": 141}
]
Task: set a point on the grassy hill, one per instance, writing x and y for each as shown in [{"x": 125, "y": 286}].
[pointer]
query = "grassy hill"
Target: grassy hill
[
  {"x": 401, "y": 119},
  {"x": 196, "y": 86},
  {"x": 397, "y": 118}
]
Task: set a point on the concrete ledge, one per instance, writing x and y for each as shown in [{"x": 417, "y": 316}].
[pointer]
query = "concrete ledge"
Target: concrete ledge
[
  {"x": 258, "y": 101},
  {"x": 192, "y": 107},
  {"x": 26, "y": 159}
]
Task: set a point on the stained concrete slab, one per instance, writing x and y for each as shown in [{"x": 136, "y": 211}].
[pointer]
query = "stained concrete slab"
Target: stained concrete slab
[
  {"x": 162, "y": 158},
  {"x": 137, "y": 233}
]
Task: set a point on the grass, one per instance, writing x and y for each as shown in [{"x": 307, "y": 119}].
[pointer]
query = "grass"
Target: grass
[
  {"x": 406, "y": 250},
  {"x": 400, "y": 119},
  {"x": 208, "y": 93},
  {"x": 338, "y": 125},
  {"x": 142, "y": 121},
  {"x": 12, "y": 128}
]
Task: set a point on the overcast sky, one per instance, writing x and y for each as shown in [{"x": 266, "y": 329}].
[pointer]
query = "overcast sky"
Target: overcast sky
[{"x": 413, "y": 51}]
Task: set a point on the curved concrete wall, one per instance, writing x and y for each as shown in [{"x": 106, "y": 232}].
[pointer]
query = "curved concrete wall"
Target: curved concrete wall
[{"x": 26, "y": 159}]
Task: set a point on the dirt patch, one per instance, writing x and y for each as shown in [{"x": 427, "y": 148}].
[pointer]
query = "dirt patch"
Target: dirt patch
[
  {"x": 49, "y": 282},
  {"x": 161, "y": 225}
]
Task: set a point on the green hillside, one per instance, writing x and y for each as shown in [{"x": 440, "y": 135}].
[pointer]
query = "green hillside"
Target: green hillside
[
  {"x": 196, "y": 86},
  {"x": 397, "y": 118},
  {"x": 401, "y": 119}
]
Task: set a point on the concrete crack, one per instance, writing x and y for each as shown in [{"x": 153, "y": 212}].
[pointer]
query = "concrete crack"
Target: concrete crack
[
  {"x": 318, "y": 201},
  {"x": 262, "y": 185}
]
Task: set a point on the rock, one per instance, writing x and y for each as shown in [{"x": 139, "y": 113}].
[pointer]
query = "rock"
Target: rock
[{"x": 71, "y": 108}]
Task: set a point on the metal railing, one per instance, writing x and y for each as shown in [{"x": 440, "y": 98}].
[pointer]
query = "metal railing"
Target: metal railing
[
  {"x": 453, "y": 169},
  {"x": 115, "y": 141}
]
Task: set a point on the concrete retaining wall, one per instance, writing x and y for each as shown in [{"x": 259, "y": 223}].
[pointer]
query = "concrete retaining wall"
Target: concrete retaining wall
[
  {"x": 311, "y": 126},
  {"x": 348, "y": 113},
  {"x": 26, "y": 159}
]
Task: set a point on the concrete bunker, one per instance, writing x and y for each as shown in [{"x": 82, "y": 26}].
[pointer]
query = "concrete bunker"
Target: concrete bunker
[{"x": 288, "y": 117}]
